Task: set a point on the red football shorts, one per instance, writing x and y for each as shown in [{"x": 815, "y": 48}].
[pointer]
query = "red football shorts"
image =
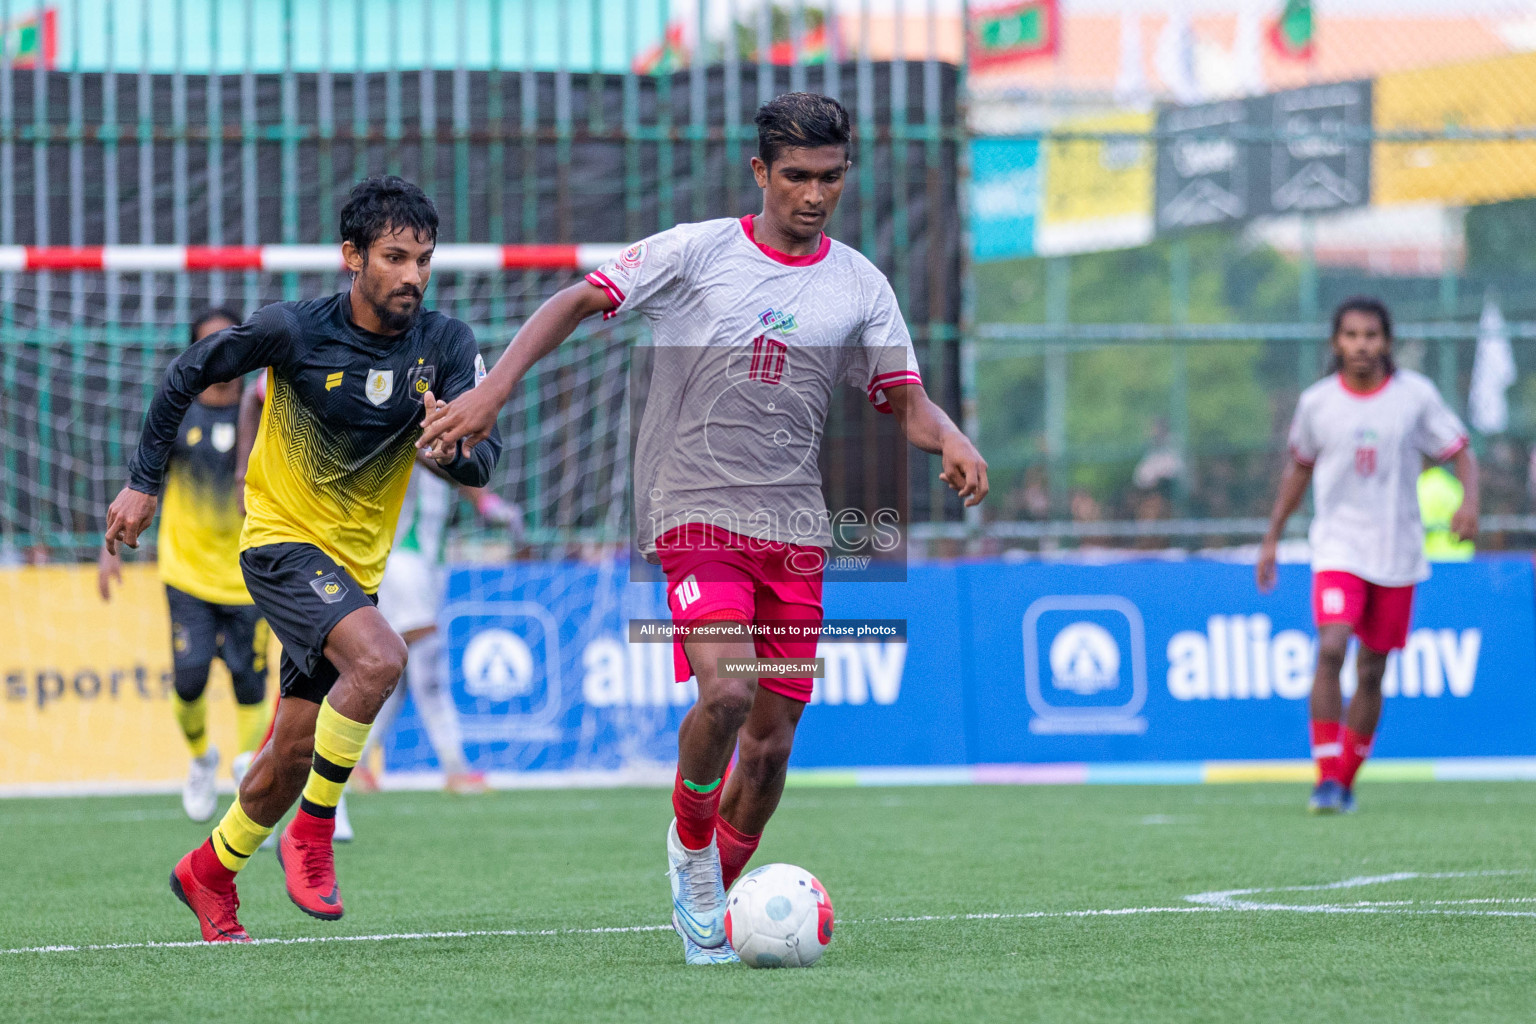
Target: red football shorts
[
  {"x": 714, "y": 574},
  {"x": 1378, "y": 615}
]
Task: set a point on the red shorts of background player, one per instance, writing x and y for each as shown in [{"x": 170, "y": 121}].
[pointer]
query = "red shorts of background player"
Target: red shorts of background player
[
  {"x": 1378, "y": 615},
  {"x": 714, "y": 574}
]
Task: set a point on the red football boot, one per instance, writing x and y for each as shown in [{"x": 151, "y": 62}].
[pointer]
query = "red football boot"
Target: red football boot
[
  {"x": 309, "y": 866},
  {"x": 215, "y": 908}
]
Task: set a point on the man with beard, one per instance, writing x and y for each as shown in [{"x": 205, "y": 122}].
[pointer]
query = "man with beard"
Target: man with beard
[{"x": 348, "y": 379}]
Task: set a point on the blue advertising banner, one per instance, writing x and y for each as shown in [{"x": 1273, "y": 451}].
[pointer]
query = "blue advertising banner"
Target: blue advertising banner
[
  {"x": 1004, "y": 663},
  {"x": 1154, "y": 661}
]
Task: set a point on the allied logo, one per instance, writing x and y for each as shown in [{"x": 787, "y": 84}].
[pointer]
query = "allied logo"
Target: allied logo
[
  {"x": 497, "y": 665},
  {"x": 1084, "y": 659},
  {"x": 329, "y": 587},
  {"x": 333, "y": 380},
  {"x": 194, "y": 437},
  {"x": 1085, "y": 665},
  {"x": 777, "y": 320},
  {"x": 381, "y": 384},
  {"x": 222, "y": 436}
]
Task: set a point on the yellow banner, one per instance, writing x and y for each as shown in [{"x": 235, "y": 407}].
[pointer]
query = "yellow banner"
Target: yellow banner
[
  {"x": 1487, "y": 94},
  {"x": 87, "y": 685},
  {"x": 1098, "y": 192}
]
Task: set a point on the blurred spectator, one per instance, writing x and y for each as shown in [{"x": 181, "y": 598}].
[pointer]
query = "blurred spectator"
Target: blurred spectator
[{"x": 1031, "y": 499}]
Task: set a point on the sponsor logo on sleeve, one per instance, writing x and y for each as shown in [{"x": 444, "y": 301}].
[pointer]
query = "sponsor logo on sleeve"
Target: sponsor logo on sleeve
[{"x": 631, "y": 258}]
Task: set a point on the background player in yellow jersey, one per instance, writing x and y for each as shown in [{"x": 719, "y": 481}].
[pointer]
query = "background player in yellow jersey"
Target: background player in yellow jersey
[
  {"x": 349, "y": 378},
  {"x": 212, "y": 616}
]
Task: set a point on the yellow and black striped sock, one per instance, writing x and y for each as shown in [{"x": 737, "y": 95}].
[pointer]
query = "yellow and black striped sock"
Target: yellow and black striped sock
[
  {"x": 338, "y": 747},
  {"x": 250, "y": 726},
  {"x": 237, "y": 837},
  {"x": 192, "y": 716}
]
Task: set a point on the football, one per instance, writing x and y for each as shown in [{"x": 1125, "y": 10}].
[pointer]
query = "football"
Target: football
[{"x": 778, "y": 915}]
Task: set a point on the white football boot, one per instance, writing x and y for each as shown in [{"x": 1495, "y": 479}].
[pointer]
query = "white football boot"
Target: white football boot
[
  {"x": 343, "y": 832},
  {"x": 698, "y": 897},
  {"x": 696, "y": 955},
  {"x": 199, "y": 795}
]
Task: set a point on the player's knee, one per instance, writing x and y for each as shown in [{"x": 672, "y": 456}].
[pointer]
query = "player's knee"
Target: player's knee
[
  {"x": 728, "y": 703},
  {"x": 380, "y": 669},
  {"x": 1331, "y": 650},
  {"x": 191, "y": 681}
]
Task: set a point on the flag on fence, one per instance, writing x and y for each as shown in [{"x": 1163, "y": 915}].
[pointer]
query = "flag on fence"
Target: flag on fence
[
  {"x": 667, "y": 55},
  {"x": 1493, "y": 371},
  {"x": 813, "y": 48},
  {"x": 33, "y": 40},
  {"x": 1016, "y": 31},
  {"x": 1293, "y": 32}
]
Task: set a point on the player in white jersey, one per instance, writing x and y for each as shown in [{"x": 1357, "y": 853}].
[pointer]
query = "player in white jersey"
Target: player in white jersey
[
  {"x": 755, "y": 321},
  {"x": 1360, "y": 436}
]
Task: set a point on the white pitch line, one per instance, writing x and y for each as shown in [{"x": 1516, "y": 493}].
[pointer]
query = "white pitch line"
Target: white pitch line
[
  {"x": 1204, "y": 903},
  {"x": 306, "y": 940}
]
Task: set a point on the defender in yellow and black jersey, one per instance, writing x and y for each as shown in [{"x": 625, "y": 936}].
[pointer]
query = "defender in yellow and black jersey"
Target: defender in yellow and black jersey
[
  {"x": 212, "y": 615},
  {"x": 337, "y": 438},
  {"x": 350, "y": 378}
]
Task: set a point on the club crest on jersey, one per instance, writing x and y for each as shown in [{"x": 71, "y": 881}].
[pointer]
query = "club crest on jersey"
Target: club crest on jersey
[
  {"x": 479, "y": 369},
  {"x": 381, "y": 384},
  {"x": 419, "y": 381},
  {"x": 1365, "y": 452},
  {"x": 777, "y": 320},
  {"x": 632, "y": 257},
  {"x": 222, "y": 436}
]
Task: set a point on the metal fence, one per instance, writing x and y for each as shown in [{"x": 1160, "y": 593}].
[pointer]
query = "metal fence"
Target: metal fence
[
  {"x": 1117, "y": 241},
  {"x": 243, "y": 122}
]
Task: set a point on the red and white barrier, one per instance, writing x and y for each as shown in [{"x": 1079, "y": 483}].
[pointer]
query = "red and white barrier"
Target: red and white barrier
[{"x": 283, "y": 258}]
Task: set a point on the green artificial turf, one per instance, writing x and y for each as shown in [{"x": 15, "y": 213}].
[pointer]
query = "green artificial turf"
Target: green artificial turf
[{"x": 93, "y": 871}]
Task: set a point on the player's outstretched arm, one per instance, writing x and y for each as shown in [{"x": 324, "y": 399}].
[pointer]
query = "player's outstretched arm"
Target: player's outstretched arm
[
  {"x": 1464, "y": 523},
  {"x": 222, "y": 356},
  {"x": 471, "y": 417},
  {"x": 1293, "y": 487},
  {"x": 930, "y": 428}
]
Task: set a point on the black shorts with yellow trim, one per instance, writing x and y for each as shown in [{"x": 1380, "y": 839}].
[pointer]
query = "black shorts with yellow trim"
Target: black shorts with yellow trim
[{"x": 303, "y": 593}]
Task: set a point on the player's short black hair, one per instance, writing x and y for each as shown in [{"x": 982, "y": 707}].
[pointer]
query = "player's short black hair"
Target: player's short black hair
[
  {"x": 800, "y": 120},
  {"x": 385, "y": 201},
  {"x": 1362, "y": 304},
  {"x": 207, "y": 316}
]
